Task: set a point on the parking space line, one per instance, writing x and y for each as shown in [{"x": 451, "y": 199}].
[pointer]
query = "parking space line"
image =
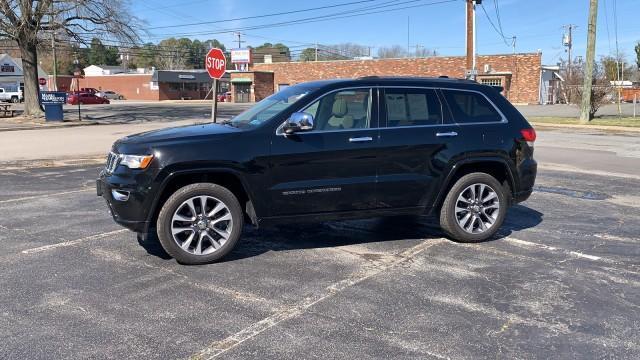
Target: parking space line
[
  {"x": 45, "y": 195},
  {"x": 72, "y": 242},
  {"x": 567, "y": 168},
  {"x": 551, "y": 248},
  {"x": 295, "y": 310}
]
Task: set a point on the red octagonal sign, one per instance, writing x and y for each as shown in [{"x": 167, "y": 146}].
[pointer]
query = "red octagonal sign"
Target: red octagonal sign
[{"x": 216, "y": 63}]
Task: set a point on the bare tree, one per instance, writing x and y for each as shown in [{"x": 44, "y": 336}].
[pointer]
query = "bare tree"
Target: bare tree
[
  {"x": 26, "y": 22},
  {"x": 395, "y": 51}
]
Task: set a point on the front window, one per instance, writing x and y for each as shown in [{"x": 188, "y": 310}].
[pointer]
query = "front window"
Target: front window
[
  {"x": 345, "y": 109},
  {"x": 270, "y": 106}
]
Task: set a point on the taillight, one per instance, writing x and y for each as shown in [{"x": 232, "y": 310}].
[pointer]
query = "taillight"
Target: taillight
[{"x": 529, "y": 135}]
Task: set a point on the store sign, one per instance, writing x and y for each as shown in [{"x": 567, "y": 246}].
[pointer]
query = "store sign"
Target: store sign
[
  {"x": 241, "y": 56},
  {"x": 188, "y": 77}
]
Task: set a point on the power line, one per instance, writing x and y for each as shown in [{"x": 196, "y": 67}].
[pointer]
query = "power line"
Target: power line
[
  {"x": 329, "y": 17},
  {"x": 498, "y": 30},
  {"x": 262, "y": 16}
]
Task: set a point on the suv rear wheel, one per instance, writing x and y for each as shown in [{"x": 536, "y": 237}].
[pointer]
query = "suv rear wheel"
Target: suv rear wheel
[
  {"x": 474, "y": 208},
  {"x": 200, "y": 223}
]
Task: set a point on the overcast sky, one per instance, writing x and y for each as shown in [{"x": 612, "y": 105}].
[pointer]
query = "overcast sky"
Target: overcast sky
[{"x": 441, "y": 26}]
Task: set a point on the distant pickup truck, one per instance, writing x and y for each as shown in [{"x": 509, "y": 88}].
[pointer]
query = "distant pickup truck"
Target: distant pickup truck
[{"x": 7, "y": 95}]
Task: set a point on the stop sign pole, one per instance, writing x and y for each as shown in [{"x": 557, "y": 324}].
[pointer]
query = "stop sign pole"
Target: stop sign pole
[{"x": 216, "y": 65}]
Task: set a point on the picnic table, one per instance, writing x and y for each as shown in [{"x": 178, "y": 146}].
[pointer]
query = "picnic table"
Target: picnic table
[{"x": 6, "y": 111}]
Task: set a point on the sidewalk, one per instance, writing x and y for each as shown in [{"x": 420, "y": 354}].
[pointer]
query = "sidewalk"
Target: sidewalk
[{"x": 69, "y": 142}]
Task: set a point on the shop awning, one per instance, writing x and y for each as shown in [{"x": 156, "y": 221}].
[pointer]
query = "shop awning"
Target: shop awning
[{"x": 241, "y": 81}]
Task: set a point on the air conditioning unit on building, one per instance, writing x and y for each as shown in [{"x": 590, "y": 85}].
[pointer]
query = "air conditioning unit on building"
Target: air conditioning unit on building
[{"x": 487, "y": 68}]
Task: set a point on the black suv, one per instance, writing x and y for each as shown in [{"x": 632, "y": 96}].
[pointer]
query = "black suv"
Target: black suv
[{"x": 338, "y": 149}]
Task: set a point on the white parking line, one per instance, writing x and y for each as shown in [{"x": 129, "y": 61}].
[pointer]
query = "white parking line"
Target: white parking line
[
  {"x": 230, "y": 342},
  {"x": 551, "y": 248},
  {"x": 45, "y": 195},
  {"x": 72, "y": 242}
]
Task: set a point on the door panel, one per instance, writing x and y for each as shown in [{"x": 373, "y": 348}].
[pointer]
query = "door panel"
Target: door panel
[
  {"x": 412, "y": 147},
  {"x": 333, "y": 167}
]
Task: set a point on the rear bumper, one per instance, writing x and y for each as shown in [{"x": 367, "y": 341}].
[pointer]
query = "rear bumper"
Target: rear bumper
[{"x": 527, "y": 170}]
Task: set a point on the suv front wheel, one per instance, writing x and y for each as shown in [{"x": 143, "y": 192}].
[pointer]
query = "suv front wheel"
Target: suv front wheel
[
  {"x": 474, "y": 208},
  {"x": 200, "y": 223}
]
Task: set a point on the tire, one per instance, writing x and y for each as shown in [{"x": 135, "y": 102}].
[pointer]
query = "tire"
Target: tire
[
  {"x": 15, "y": 100},
  {"x": 488, "y": 218},
  {"x": 186, "y": 202},
  {"x": 120, "y": 97}
]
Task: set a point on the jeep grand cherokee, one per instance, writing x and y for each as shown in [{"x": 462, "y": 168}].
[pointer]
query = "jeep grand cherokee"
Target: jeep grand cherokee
[{"x": 338, "y": 149}]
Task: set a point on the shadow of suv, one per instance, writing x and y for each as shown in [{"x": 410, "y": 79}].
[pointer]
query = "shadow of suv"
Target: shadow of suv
[{"x": 327, "y": 150}]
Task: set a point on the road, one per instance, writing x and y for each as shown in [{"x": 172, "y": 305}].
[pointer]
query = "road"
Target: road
[{"x": 562, "y": 279}]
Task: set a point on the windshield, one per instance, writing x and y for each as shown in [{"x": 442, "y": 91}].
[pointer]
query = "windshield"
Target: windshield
[{"x": 270, "y": 106}]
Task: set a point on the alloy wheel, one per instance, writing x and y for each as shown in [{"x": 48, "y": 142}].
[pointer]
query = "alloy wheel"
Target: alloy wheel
[
  {"x": 201, "y": 225},
  {"x": 477, "y": 208}
]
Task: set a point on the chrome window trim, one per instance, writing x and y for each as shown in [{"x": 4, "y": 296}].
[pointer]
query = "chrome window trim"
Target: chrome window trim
[
  {"x": 371, "y": 88},
  {"x": 378, "y": 87}
]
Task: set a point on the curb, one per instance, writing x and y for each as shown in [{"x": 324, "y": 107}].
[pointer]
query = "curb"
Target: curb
[
  {"x": 47, "y": 126},
  {"x": 588, "y": 127}
]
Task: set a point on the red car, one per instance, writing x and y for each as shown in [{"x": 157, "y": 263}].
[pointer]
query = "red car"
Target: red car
[
  {"x": 85, "y": 98},
  {"x": 226, "y": 97}
]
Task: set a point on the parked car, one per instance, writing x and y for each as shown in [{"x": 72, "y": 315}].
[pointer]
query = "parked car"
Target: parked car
[
  {"x": 85, "y": 98},
  {"x": 327, "y": 150},
  {"x": 111, "y": 95},
  {"x": 11, "y": 95},
  {"x": 225, "y": 97},
  {"x": 89, "y": 90}
]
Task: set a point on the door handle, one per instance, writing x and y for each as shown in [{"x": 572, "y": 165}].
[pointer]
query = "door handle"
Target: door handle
[
  {"x": 447, "y": 134},
  {"x": 361, "y": 139}
]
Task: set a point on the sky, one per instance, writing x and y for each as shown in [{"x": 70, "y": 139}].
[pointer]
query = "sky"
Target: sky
[{"x": 537, "y": 24}]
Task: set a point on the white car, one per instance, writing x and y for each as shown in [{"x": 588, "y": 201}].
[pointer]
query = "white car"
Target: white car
[{"x": 111, "y": 95}]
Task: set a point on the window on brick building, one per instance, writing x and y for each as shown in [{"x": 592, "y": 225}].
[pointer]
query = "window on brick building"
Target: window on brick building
[{"x": 491, "y": 82}]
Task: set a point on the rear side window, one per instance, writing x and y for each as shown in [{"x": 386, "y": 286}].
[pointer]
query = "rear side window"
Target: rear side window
[
  {"x": 412, "y": 107},
  {"x": 470, "y": 107}
]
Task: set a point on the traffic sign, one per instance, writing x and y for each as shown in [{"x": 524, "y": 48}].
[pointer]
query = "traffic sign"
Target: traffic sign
[
  {"x": 215, "y": 63},
  {"x": 42, "y": 81}
]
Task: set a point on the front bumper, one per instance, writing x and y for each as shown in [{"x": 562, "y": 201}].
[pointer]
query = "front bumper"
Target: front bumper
[{"x": 132, "y": 210}]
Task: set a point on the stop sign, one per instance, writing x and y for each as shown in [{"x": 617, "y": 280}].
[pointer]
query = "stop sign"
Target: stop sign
[
  {"x": 216, "y": 63},
  {"x": 42, "y": 81}
]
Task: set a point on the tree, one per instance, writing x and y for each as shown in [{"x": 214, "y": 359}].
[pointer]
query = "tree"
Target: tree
[
  {"x": 27, "y": 22},
  {"x": 308, "y": 54},
  {"x": 174, "y": 54},
  {"x": 395, "y": 51},
  {"x": 102, "y": 55},
  {"x": 146, "y": 56},
  {"x": 637, "y": 49}
]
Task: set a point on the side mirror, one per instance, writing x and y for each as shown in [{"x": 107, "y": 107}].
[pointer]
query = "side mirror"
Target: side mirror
[{"x": 298, "y": 121}]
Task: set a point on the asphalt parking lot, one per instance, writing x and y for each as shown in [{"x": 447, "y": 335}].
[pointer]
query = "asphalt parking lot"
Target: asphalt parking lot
[{"x": 562, "y": 279}]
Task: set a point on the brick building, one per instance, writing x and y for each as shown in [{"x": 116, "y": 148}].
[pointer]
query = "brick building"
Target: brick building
[
  {"x": 159, "y": 85},
  {"x": 519, "y": 74}
]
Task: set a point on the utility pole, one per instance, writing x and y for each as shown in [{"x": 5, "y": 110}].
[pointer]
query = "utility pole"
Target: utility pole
[
  {"x": 568, "y": 42},
  {"x": 585, "y": 115},
  {"x": 408, "y": 38},
  {"x": 239, "y": 35},
  {"x": 471, "y": 39},
  {"x": 316, "y": 51}
]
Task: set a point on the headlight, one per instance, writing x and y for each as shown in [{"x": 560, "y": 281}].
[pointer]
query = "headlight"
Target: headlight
[{"x": 136, "y": 161}]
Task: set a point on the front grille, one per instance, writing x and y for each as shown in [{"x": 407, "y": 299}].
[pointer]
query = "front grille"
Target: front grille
[{"x": 113, "y": 160}]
